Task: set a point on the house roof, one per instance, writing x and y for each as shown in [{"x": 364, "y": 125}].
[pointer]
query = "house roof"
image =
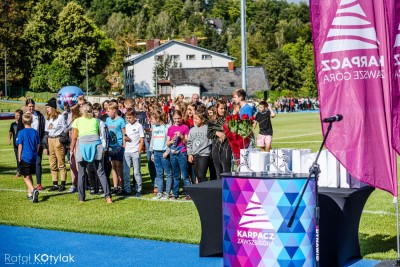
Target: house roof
[
  {"x": 132, "y": 58},
  {"x": 216, "y": 22},
  {"x": 220, "y": 81}
]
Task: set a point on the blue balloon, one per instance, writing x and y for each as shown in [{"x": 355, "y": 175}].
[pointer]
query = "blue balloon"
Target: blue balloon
[{"x": 68, "y": 94}]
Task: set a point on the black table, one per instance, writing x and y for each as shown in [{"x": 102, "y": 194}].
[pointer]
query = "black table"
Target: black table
[{"x": 340, "y": 210}]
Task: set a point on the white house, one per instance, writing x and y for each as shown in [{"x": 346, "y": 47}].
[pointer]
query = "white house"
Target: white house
[{"x": 139, "y": 78}]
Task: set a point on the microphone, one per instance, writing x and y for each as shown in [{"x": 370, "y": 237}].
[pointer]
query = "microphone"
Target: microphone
[{"x": 337, "y": 117}]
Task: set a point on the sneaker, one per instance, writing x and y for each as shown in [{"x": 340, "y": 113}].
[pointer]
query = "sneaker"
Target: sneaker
[
  {"x": 72, "y": 189},
  {"x": 158, "y": 196},
  {"x": 54, "y": 188},
  {"x": 18, "y": 174},
  {"x": 115, "y": 190},
  {"x": 164, "y": 196},
  {"x": 92, "y": 192},
  {"x": 61, "y": 188},
  {"x": 39, "y": 187},
  {"x": 100, "y": 191},
  {"x": 30, "y": 198},
  {"x": 121, "y": 192},
  {"x": 35, "y": 196},
  {"x": 138, "y": 194}
]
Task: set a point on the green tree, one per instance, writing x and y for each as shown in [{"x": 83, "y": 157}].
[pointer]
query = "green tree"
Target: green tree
[
  {"x": 288, "y": 31},
  {"x": 100, "y": 11},
  {"x": 118, "y": 24},
  {"x": 51, "y": 77},
  {"x": 139, "y": 22},
  {"x": 39, "y": 32},
  {"x": 219, "y": 9},
  {"x": 13, "y": 15},
  {"x": 282, "y": 72},
  {"x": 214, "y": 41},
  {"x": 160, "y": 26},
  {"x": 302, "y": 55},
  {"x": 76, "y": 37},
  {"x": 127, "y": 7},
  {"x": 97, "y": 84}
]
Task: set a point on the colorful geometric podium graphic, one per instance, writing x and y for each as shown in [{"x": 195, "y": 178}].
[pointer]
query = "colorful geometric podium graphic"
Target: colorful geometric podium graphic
[{"x": 255, "y": 216}]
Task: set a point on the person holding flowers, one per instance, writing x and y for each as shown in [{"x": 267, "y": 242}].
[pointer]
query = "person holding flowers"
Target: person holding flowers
[
  {"x": 221, "y": 151},
  {"x": 263, "y": 118},
  {"x": 239, "y": 132}
]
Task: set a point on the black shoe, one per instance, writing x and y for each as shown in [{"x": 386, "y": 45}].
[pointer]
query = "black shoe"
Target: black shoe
[
  {"x": 35, "y": 196},
  {"x": 92, "y": 192},
  {"x": 61, "y": 188},
  {"x": 100, "y": 191},
  {"x": 54, "y": 188},
  {"x": 121, "y": 192},
  {"x": 138, "y": 194},
  {"x": 115, "y": 190}
]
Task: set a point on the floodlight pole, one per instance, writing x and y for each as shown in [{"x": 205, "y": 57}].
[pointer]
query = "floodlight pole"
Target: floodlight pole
[
  {"x": 87, "y": 77},
  {"x": 156, "y": 74},
  {"x": 5, "y": 72},
  {"x": 243, "y": 45}
]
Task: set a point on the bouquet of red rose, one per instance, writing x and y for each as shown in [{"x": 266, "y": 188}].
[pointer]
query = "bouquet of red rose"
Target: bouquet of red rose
[{"x": 238, "y": 131}]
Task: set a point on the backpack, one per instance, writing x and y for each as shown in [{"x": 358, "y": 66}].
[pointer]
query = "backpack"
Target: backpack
[{"x": 65, "y": 139}]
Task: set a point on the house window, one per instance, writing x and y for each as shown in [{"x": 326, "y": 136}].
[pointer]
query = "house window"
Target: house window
[
  {"x": 190, "y": 57},
  {"x": 175, "y": 57},
  {"x": 206, "y": 57},
  {"x": 232, "y": 84}
]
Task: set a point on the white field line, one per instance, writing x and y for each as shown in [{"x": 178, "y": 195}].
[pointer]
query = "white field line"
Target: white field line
[
  {"x": 295, "y": 136},
  {"x": 10, "y": 171},
  {"x": 302, "y": 142},
  {"x": 377, "y": 212},
  {"x": 6, "y": 149},
  {"x": 98, "y": 196}
]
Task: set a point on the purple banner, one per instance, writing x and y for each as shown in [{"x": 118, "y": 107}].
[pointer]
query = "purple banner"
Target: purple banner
[
  {"x": 395, "y": 35},
  {"x": 256, "y": 213},
  {"x": 353, "y": 55}
]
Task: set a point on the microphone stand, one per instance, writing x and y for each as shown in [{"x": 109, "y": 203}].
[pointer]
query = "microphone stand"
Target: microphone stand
[{"x": 314, "y": 171}]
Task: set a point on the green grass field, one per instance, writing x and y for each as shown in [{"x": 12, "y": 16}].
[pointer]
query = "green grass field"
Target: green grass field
[{"x": 168, "y": 220}]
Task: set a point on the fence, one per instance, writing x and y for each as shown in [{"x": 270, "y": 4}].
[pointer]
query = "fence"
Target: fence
[{"x": 13, "y": 91}]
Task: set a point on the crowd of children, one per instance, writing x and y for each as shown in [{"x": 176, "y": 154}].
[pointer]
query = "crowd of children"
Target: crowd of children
[{"x": 185, "y": 142}]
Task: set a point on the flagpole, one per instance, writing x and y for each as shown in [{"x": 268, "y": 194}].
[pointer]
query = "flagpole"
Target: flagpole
[
  {"x": 243, "y": 43},
  {"x": 396, "y": 202}
]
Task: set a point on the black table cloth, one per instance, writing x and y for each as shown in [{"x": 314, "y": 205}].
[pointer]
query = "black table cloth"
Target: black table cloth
[{"x": 340, "y": 210}]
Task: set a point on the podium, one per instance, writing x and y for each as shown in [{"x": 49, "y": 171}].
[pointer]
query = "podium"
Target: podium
[{"x": 341, "y": 210}]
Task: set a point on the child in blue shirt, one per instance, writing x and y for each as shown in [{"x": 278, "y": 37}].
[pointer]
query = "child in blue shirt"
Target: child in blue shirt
[
  {"x": 160, "y": 155},
  {"x": 116, "y": 143},
  {"x": 28, "y": 142}
]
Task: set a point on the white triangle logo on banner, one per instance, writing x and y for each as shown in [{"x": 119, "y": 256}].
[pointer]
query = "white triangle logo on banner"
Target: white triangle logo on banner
[
  {"x": 350, "y": 30},
  {"x": 397, "y": 42},
  {"x": 255, "y": 216}
]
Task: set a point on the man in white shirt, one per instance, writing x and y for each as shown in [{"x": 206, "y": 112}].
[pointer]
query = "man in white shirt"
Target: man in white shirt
[{"x": 134, "y": 138}]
